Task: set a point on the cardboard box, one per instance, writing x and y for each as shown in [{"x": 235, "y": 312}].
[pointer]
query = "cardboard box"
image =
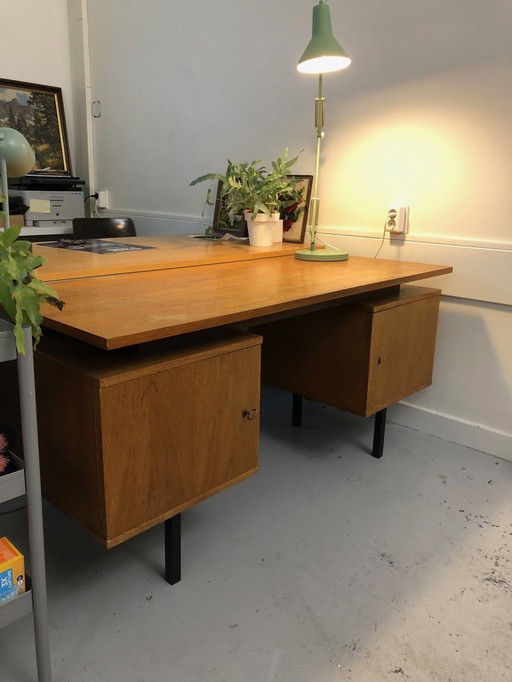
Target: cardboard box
[
  {"x": 14, "y": 221},
  {"x": 12, "y": 571}
]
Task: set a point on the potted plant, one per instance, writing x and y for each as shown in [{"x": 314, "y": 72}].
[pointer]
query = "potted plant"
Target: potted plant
[
  {"x": 251, "y": 189},
  {"x": 21, "y": 292}
]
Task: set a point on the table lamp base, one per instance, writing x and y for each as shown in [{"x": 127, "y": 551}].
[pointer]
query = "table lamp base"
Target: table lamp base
[{"x": 321, "y": 254}]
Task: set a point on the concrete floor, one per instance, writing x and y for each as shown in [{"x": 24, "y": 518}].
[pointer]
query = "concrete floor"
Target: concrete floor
[{"x": 328, "y": 566}]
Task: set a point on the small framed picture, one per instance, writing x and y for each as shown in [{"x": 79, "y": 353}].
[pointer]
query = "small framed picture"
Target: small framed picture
[
  {"x": 221, "y": 222},
  {"x": 37, "y": 112},
  {"x": 295, "y": 217}
]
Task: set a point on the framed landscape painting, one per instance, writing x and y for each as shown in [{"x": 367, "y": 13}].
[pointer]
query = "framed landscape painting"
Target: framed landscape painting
[{"x": 37, "y": 112}]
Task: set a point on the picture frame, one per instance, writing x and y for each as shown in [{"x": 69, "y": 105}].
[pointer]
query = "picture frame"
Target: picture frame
[
  {"x": 294, "y": 226},
  {"x": 221, "y": 223},
  {"x": 37, "y": 112}
]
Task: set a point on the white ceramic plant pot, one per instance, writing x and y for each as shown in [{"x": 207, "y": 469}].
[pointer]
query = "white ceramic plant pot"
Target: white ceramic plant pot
[
  {"x": 262, "y": 229},
  {"x": 278, "y": 231}
]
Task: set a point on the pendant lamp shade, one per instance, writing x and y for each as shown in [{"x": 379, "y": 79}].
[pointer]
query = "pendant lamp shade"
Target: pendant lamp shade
[{"x": 323, "y": 54}]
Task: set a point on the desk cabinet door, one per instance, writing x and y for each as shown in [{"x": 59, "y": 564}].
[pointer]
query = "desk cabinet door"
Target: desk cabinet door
[
  {"x": 401, "y": 351},
  {"x": 130, "y": 438},
  {"x": 177, "y": 436}
]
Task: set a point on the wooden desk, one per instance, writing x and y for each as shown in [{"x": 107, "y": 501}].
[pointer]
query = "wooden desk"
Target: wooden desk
[
  {"x": 131, "y": 437},
  {"x": 225, "y": 284}
]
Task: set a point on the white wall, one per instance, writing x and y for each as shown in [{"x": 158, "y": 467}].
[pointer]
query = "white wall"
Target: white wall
[
  {"x": 35, "y": 48},
  {"x": 184, "y": 86},
  {"x": 421, "y": 116}
]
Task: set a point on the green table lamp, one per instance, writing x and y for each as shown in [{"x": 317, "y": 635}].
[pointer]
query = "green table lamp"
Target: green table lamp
[
  {"x": 16, "y": 159},
  {"x": 323, "y": 55}
]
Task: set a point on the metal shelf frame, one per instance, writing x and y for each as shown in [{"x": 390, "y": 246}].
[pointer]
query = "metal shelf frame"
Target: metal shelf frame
[{"x": 11, "y": 486}]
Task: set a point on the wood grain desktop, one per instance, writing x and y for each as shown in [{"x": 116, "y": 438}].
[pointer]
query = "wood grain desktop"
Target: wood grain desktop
[{"x": 133, "y": 297}]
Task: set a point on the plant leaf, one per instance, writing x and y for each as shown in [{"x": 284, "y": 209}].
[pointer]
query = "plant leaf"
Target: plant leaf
[{"x": 21, "y": 292}]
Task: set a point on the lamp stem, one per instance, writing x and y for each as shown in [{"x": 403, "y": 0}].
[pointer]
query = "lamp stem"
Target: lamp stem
[
  {"x": 4, "y": 190},
  {"x": 315, "y": 200}
]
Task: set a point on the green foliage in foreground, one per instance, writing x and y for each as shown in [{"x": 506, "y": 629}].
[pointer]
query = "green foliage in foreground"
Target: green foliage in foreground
[{"x": 21, "y": 292}]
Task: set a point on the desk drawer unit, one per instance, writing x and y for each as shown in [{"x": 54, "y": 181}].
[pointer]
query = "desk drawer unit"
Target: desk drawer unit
[
  {"x": 361, "y": 356},
  {"x": 131, "y": 438}
]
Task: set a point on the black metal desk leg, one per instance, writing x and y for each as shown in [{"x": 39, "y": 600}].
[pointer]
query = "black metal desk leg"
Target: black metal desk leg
[
  {"x": 296, "y": 410},
  {"x": 378, "y": 434},
  {"x": 172, "y": 530}
]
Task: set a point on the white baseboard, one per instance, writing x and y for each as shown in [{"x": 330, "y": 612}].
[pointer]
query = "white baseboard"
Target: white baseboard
[{"x": 456, "y": 431}]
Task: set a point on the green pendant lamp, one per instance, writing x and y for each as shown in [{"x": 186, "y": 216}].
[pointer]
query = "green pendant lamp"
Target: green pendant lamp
[{"x": 323, "y": 55}]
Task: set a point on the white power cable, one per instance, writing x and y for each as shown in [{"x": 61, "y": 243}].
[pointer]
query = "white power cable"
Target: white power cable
[{"x": 382, "y": 240}]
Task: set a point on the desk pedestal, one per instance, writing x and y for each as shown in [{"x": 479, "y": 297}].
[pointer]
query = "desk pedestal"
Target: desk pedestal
[
  {"x": 362, "y": 356},
  {"x": 131, "y": 438}
]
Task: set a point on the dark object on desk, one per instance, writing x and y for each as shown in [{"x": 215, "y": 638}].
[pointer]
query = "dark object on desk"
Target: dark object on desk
[
  {"x": 100, "y": 246},
  {"x": 98, "y": 228},
  {"x": 72, "y": 242}
]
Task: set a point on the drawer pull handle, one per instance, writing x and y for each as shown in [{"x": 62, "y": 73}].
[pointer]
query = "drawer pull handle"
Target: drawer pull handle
[{"x": 249, "y": 414}]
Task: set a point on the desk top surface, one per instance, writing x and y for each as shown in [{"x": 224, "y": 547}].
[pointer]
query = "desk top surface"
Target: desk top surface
[
  {"x": 157, "y": 253},
  {"x": 201, "y": 290}
]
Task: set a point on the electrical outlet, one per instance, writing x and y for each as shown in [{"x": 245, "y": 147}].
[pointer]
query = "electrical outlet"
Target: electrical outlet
[
  {"x": 102, "y": 201},
  {"x": 397, "y": 220}
]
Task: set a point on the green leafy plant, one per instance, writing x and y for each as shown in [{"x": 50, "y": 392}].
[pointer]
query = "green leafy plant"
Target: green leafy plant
[
  {"x": 21, "y": 292},
  {"x": 250, "y": 187}
]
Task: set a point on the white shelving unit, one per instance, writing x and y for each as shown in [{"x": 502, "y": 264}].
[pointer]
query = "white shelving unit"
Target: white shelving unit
[{"x": 16, "y": 484}]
